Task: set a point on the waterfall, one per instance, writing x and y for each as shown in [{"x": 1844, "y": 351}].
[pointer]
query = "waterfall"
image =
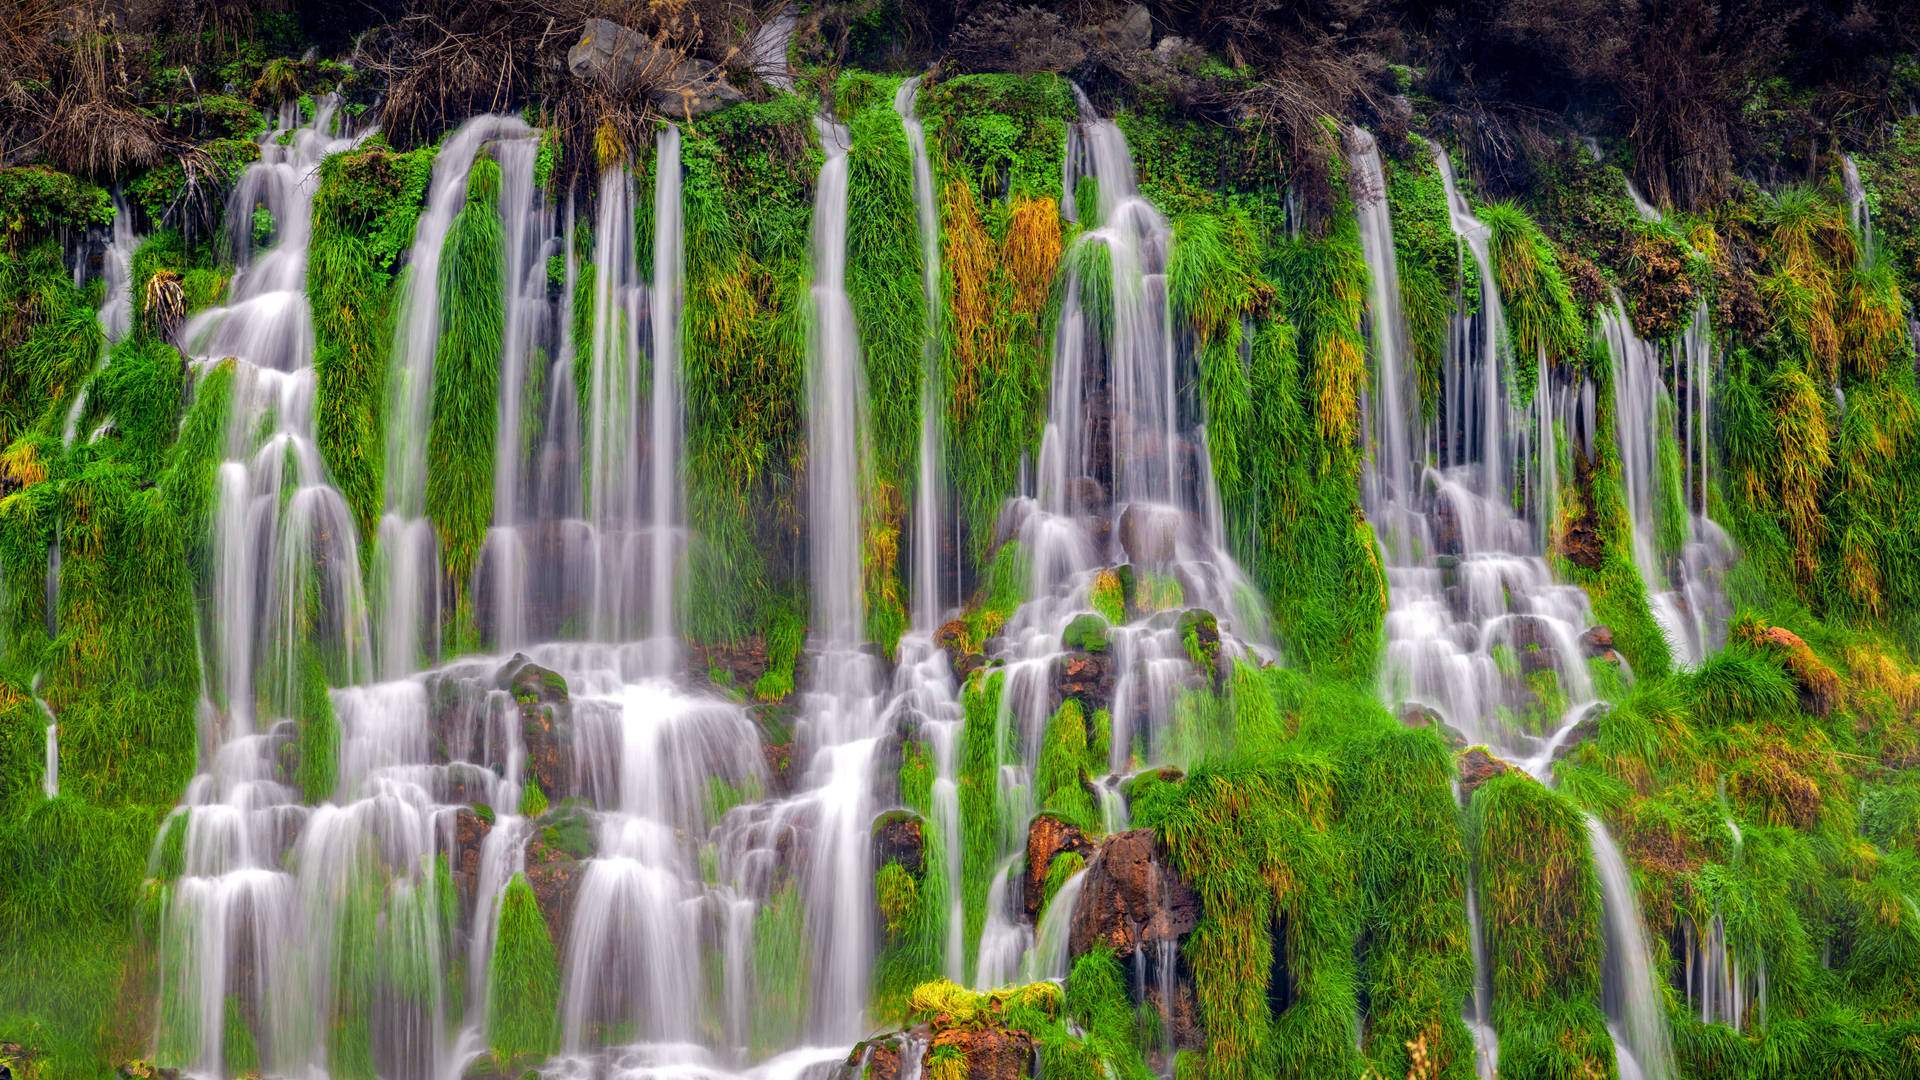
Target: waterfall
[
  {"x": 1858, "y": 212},
  {"x": 930, "y": 491},
  {"x": 924, "y": 684},
  {"x": 1486, "y": 1041},
  {"x": 116, "y": 311},
  {"x": 408, "y": 549},
  {"x": 667, "y": 411},
  {"x": 279, "y": 527},
  {"x": 612, "y": 438},
  {"x": 527, "y": 235},
  {"x": 1630, "y": 991},
  {"x": 1472, "y": 606},
  {"x": 1099, "y": 501},
  {"x": 1387, "y": 488},
  {"x": 841, "y": 709},
  {"x": 235, "y": 924},
  {"x": 1049, "y": 958},
  {"x": 1680, "y": 553},
  {"x": 50, "y": 777}
]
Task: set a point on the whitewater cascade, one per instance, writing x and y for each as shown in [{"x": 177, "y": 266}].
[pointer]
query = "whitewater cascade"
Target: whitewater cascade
[
  {"x": 1474, "y": 611},
  {"x": 116, "y": 311},
  {"x": 528, "y": 241},
  {"x": 233, "y": 915},
  {"x": 1629, "y": 992},
  {"x": 407, "y": 550},
  {"x": 1473, "y": 608},
  {"x": 924, "y": 689},
  {"x": 1123, "y": 480},
  {"x": 1680, "y": 552},
  {"x": 280, "y": 528}
]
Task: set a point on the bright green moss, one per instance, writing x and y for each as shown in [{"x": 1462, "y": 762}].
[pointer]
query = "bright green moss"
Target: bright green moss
[
  {"x": 466, "y": 378},
  {"x": 782, "y": 960},
  {"x": 1003, "y": 135},
  {"x": 884, "y": 277},
  {"x": 1059, "y": 782},
  {"x": 319, "y": 733},
  {"x": 1540, "y": 905},
  {"x": 363, "y": 219},
  {"x": 523, "y": 987},
  {"x": 747, "y": 199},
  {"x": 981, "y": 815}
]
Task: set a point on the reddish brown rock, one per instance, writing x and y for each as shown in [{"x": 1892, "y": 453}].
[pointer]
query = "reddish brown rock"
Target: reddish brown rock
[
  {"x": 1131, "y": 898},
  {"x": 1047, "y": 838},
  {"x": 469, "y": 833},
  {"x": 1416, "y": 715},
  {"x": 991, "y": 1053},
  {"x": 1476, "y": 768},
  {"x": 882, "y": 1059},
  {"x": 554, "y": 886},
  {"x": 1086, "y": 677}
]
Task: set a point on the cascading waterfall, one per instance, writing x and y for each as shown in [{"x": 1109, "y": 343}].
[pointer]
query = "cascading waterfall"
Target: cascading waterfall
[
  {"x": 840, "y": 727},
  {"x": 116, "y": 312},
  {"x": 665, "y": 405},
  {"x": 924, "y": 684},
  {"x": 1468, "y": 587},
  {"x": 1859, "y": 214},
  {"x": 1123, "y": 478},
  {"x": 1473, "y": 607},
  {"x": 527, "y": 234},
  {"x": 280, "y": 528},
  {"x": 408, "y": 549},
  {"x": 234, "y": 921},
  {"x": 1681, "y": 553},
  {"x": 1629, "y": 992}
]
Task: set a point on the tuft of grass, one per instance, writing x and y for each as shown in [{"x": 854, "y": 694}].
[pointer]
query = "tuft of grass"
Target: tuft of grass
[
  {"x": 466, "y": 378},
  {"x": 523, "y": 985}
]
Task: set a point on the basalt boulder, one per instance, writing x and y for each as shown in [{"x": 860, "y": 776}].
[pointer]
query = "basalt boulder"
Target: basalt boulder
[
  {"x": 546, "y": 723},
  {"x": 1086, "y": 677},
  {"x": 898, "y": 837},
  {"x": 991, "y": 1053},
  {"x": 1132, "y": 898},
  {"x": 470, "y": 829},
  {"x": 1476, "y": 767},
  {"x": 1416, "y": 715}
]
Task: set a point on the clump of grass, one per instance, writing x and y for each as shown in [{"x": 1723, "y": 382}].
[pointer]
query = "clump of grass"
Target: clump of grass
[
  {"x": 1542, "y": 319},
  {"x": 466, "y": 377},
  {"x": 523, "y": 989}
]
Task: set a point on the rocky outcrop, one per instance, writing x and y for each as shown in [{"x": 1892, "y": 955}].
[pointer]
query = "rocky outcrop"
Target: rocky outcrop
[
  {"x": 897, "y": 837},
  {"x": 557, "y": 855},
  {"x": 1149, "y": 534},
  {"x": 1200, "y": 633},
  {"x": 1132, "y": 898},
  {"x": 1047, "y": 838},
  {"x": 1476, "y": 767},
  {"x": 1597, "y": 644},
  {"x": 626, "y": 62},
  {"x": 546, "y": 723},
  {"x": 470, "y": 831},
  {"x": 1586, "y": 730},
  {"x": 952, "y": 638},
  {"x": 1416, "y": 715},
  {"x": 992, "y": 1053},
  {"x": 1130, "y": 31},
  {"x": 1086, "y": 677},
  {"x": 1816, "y": 684}
]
